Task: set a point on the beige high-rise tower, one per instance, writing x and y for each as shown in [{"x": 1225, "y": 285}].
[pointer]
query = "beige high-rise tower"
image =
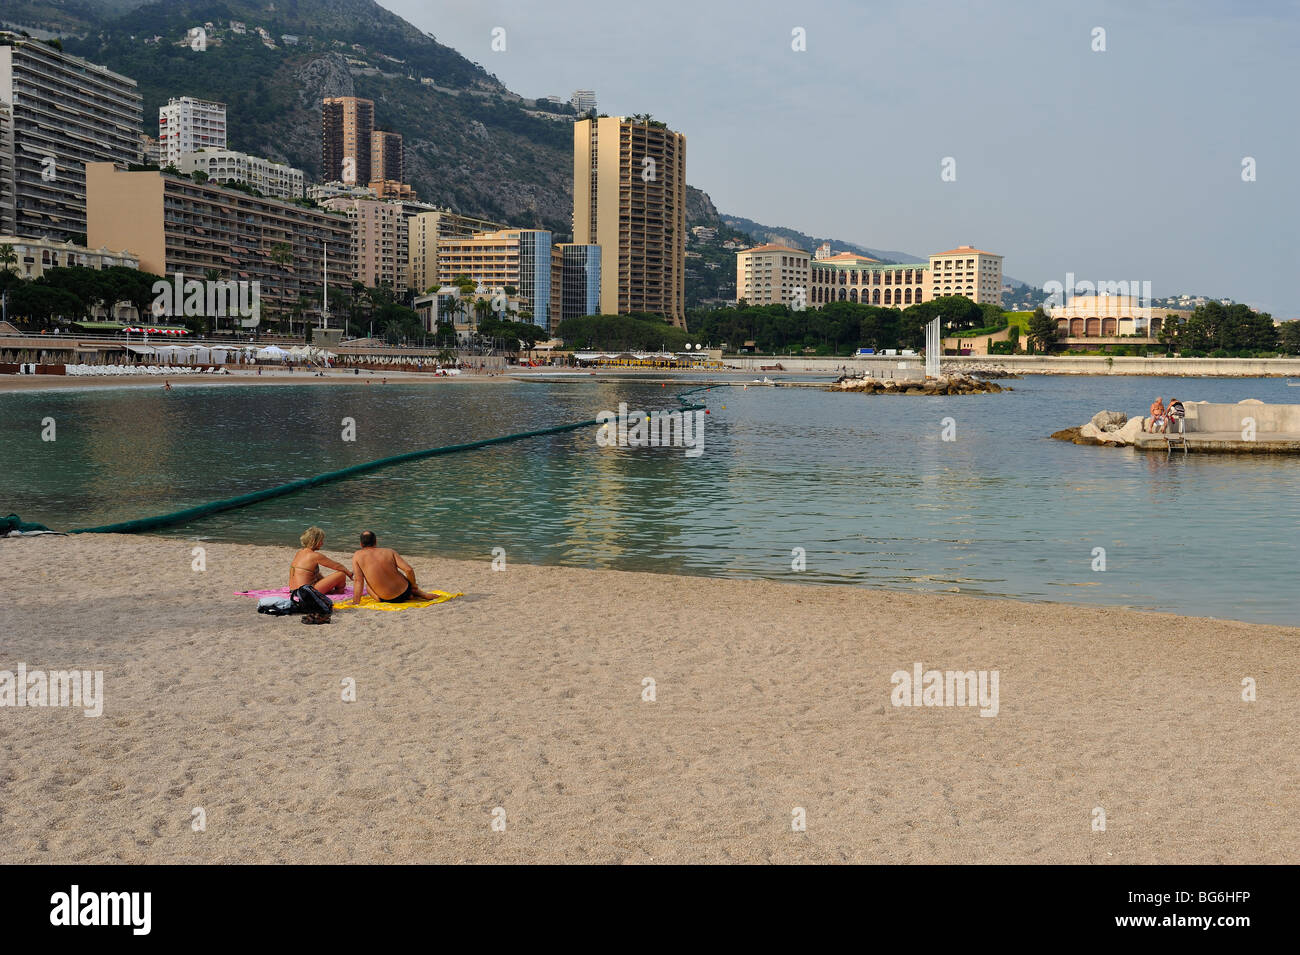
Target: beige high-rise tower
[{"x": 629, "y": 197}]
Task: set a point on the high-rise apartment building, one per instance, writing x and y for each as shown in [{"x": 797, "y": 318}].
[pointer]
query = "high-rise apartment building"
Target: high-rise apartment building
[
  {"x": 186, "y": 125},
  {"x": 387, "y": 160},
  {"x": 177, "y": 225},
  {"x": 773, "y": 275},
  {"x": 584, "y": 101},
  {"x": 347, "y": 131},
  {"x": 425, "y": 231},
  {"x": 379, "y": 237},
  {"x": 63, "y": 113},
  {"x": 496, "y": 261},
  {"x": 7, "y": 209},
  {"x": 275, "y": 179},
  {"x": 629, "y": 197}
]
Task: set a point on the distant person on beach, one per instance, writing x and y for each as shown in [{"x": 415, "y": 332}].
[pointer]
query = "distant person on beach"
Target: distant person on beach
[
  {"x": 167, "y": 385},
  {"x": 307, "y": 563},
  {"x": 384, "y": 571},
  {"x": 1159, "y": 422}
]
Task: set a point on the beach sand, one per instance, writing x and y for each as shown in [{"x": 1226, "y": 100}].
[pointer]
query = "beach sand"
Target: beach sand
[{"x": 526, "y": 694}]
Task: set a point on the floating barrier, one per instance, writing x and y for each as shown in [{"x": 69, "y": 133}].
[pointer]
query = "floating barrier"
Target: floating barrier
[{"x": 189, "y": 514}]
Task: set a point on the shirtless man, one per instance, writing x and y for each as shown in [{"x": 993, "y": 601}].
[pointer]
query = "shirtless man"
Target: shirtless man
[
  {"x": 307, "y": 563},
  {"x": 384, "y": 571}
]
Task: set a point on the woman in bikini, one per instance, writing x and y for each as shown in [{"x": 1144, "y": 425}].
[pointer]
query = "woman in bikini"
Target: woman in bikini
[{"x": 307, "y": 563}]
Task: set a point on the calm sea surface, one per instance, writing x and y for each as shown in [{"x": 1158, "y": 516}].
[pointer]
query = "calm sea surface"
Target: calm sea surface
[{"x": 864, "y": 485}]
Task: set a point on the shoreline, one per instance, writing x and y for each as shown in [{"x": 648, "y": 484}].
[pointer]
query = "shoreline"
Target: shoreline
[
  {"x": 528, "y": 693},
  {"x": 26, "y": 383}
]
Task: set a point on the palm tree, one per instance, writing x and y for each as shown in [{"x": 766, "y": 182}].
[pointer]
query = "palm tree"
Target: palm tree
[
  {"x": 8, "y": 257},
  {"x": 282, "y": 255}
]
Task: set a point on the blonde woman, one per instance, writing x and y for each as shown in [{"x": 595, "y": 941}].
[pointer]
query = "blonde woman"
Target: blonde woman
[{"x": 307, "y": 564}]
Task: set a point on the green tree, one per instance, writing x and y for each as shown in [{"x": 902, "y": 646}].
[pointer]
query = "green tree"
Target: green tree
[{"x": 1042, "y": 330}]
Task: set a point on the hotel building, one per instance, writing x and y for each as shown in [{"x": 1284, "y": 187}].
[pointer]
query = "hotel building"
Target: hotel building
[
  {"x": 967, "y": 271},
  {"x": 629, "y": 197},
  {"x": 379, "y": 237},
  {"x": 773, "y": 275},
  {"x": 425, "y": 231},
  {"x": 849, "y": 277},
  {"x": 63, "y": 113},
  {"x": 186, "y": 125},
  {"x": 508, "y": 257},
  {"x": 275, "y": 179},
  {"x": 174, "y": 224},
  {"x": 347, "y": 130}
]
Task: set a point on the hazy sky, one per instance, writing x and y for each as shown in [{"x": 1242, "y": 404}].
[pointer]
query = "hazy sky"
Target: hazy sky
[{"x": 1123, "y": 164}]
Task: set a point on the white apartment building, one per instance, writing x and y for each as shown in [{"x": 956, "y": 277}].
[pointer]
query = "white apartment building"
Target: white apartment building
[
  {"x": 274, "y": 179},
  {"x": 187, "y": 125}
]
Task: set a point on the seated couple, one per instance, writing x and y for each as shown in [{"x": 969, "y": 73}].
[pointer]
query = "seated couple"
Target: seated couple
[{"x": 380, "y": 569}]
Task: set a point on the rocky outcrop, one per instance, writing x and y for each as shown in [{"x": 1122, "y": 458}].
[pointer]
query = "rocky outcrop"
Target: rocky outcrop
[
  {"x": 1109, "y": 420},
  {"x": 943, "y": 385},
  {"x": 1112, "y": 429}
]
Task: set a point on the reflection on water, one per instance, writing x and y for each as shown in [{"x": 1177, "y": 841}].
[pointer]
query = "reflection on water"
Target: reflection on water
[{"x": 863, "y": 483}]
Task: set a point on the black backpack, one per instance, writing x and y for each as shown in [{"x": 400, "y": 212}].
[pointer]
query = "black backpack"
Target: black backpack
[{"x": 307, "y": 599}]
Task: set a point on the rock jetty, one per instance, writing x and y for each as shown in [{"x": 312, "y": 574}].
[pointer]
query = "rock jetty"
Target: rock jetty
[
  {"x": 943, "y": 385},
  {"x": 1109, "y": 428}
]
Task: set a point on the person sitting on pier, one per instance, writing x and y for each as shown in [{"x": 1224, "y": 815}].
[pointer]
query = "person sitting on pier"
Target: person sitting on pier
[
  {"x": 305, "y": 568},
  {"x": 1159, "y": 423},
  {"x": 1176, "y": 413}
]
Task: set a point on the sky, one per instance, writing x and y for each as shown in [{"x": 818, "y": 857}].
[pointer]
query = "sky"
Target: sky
[{"x": 1122, "y": 163}]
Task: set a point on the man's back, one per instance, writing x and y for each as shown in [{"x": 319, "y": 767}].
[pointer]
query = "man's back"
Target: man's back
[{"x": 379, "y": 567}]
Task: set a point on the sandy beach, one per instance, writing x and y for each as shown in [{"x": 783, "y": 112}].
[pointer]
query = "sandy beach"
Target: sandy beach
[{"x": 527, "y": 694}]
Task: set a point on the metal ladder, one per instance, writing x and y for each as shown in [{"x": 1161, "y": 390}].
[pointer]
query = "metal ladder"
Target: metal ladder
[{"x": 1176, "y": 440}]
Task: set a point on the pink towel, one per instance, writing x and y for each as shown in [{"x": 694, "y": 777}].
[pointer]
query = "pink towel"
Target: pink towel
[{"x": 284, "y": 592}]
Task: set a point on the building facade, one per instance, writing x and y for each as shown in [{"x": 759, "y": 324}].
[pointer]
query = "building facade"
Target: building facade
[
  {"x": 275, "y": 179},
  {"x": 967, "y": 271},
  {"x": 379, "y": 237},
  {"x": 425, "y": 230},
  {"x": 63, "y": 113},
  {"x": 849, "y": 277},
  {"x": 629, "y": 197},
  {"x": 186, "y": 125},
  {"x": 579, "y": 282},
  {"x": 175, "y": 225},
  {"x": 347, "y": 129},
  {"x": 584, "y": 101},
  {"x": 774, "y": 275},
  {"x": 34, "y": 256},
  {"x": 497, "y": 261},
  {"x": 387, "y": 157},
  {"x": 1111, "y": 317}
]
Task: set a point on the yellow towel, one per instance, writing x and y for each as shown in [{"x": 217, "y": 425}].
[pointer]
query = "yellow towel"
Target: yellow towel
[{"x": 370, "y": 603}]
